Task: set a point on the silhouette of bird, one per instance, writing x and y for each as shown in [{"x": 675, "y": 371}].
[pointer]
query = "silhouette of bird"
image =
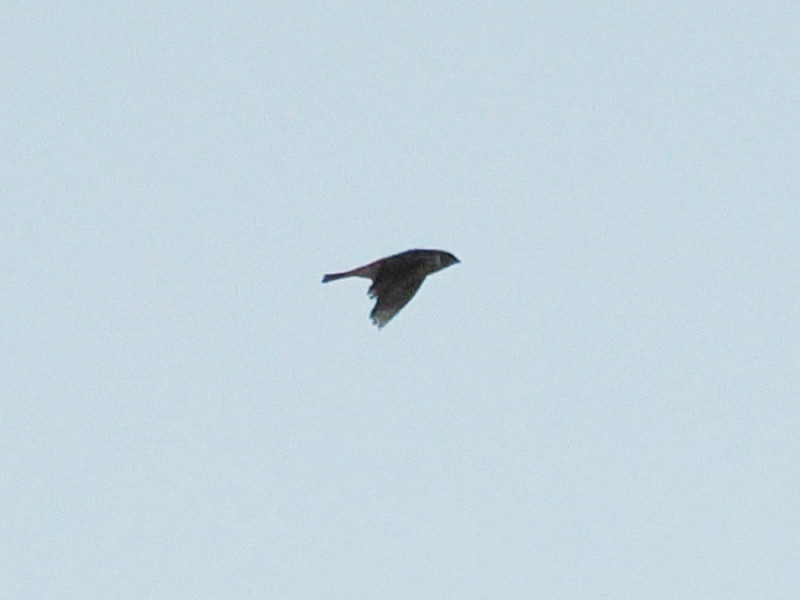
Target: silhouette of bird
[{"x": 395, "y": 279}]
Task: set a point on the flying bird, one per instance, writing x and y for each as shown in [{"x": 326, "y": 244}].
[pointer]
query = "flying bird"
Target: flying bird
[{"x": 395, "y": 279}]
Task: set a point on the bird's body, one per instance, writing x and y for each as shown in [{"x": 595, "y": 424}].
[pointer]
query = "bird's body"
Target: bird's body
[{"x": 395, "y": 279}]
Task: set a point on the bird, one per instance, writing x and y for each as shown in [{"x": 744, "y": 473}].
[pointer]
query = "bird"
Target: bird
[{"x": 396, "y": 278}]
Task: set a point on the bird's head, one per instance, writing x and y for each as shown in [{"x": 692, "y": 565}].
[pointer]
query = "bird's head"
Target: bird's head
[{"x": 445, "y": 259}]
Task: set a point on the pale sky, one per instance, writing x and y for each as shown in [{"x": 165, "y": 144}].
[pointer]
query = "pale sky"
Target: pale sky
[{"x": 600, "y": 401}]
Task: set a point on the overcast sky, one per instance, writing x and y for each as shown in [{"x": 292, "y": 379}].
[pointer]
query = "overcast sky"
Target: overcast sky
[{"x": 600, "y": 401}]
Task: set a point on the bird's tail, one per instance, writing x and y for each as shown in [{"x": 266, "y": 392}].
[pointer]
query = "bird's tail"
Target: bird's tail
[
  {"x": 335, "y": 276},
  {"x": 367, "y": 271}
]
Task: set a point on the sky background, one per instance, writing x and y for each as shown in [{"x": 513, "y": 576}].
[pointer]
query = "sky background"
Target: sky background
[{"x": 600, "y": 401}]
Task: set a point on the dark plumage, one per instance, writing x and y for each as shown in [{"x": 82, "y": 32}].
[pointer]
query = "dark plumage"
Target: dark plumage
[{"x": 395, "y": 279}]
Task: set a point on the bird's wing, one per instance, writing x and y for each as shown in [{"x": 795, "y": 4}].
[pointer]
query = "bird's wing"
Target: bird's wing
[{"x": 392, "y": 295}]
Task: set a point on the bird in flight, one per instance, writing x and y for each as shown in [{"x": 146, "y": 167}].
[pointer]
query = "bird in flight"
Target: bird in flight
[{"x": 395, "y": 279}]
